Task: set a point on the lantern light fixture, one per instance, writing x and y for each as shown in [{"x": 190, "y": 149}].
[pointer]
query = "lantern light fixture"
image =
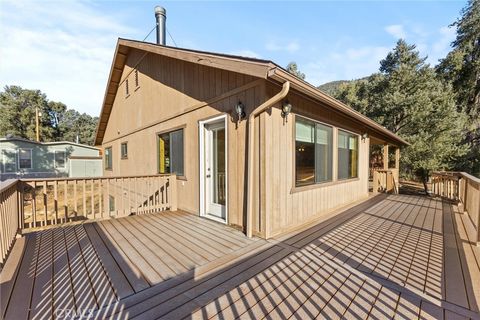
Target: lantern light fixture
[
  {"x": 240, "y": 111},
  {"x": 286, "y": 108}
]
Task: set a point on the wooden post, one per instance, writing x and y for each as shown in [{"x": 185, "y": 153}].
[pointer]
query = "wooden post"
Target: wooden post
[
  {"x": 375, "y": 181},
  {"x": 37, "y": 124},
  {"x": 173, "y": 192},
  {"x": 397, "y": 158},
  {"x": 385, "y": 156}
]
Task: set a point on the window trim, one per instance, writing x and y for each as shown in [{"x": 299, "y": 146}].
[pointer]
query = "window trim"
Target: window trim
[
  {"x": 55, "y": 159},
  {"x": 123, "y": 157},
  {"x": 322, "y": 183},
  {"x": 157, "y": 138},
  {"x": 31, "y": 158},
  {"x": 105, "y": 158},
  {"x": 358, "y": 156},
  {"x": 15, "y": 151}
]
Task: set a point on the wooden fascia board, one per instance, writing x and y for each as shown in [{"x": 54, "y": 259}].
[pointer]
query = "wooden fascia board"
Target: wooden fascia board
[
  {"x": 119, "y": 58},
  {"x": 252, "y": 68}
]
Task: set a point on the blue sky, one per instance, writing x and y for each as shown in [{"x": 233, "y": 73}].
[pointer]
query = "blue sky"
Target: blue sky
[{"x": 65, "y": 48}]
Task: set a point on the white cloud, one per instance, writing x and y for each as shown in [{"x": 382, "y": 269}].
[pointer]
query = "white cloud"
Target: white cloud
[
  {"x": 291, "y": 46},
  {"x": 447, "y": 35},
  {"x": 62, "y": 48},
  {"x": 346, "y": 64},
  {"x": 396, "y": 30},
  {"x": 246, "y": 53}
]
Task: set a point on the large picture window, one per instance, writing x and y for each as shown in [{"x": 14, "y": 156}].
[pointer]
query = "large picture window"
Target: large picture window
[
  {"x": 170, "y": 153},
  {"x": 313, "y": 152},
  {"x": 347, "y": 155},
  {"x": 25, "y": 158}
]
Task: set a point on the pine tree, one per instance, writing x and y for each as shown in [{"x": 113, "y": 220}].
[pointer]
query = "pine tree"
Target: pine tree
[
  {"x": 293, "y": 69},
  {"x": 407, "y": 98},
  {"x": 461, "y": 68},
  {"x": 17, "y": 109}
]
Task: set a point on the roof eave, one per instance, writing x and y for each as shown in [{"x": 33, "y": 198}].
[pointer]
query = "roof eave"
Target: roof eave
[{"x": 281, "y": 75}]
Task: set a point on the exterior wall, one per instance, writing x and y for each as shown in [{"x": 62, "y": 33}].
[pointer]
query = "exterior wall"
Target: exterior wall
[
  {"x": 171, "y": 95},
  {"x": 42, "y": 159},
  {"x": 282, "y": 205}
]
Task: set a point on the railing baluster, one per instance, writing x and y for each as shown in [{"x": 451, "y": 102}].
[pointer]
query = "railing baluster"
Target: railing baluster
[
  {"x": 65, "y": 200},
  {"x": 75, "y": 199},
  {"x": 45, "y": 202},
  {"x": 34, "y": 204},
  {"x": 55, "y": 200},
  {"x": 93, "y": 197}
]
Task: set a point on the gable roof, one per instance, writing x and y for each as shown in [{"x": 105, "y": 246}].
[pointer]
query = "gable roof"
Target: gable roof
[{"x": 260, "y": 68}]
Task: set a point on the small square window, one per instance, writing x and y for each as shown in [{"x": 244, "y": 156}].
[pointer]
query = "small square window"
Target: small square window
[
  {"x": 124, "y": 150},
  {"x": 108, "y": 158},
  {"x": 25, "y": 158},
  {"x": 59, "y": 159}
]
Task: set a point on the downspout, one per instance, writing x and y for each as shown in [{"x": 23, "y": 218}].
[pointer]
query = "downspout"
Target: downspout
[{"x": 251, "y": 133}]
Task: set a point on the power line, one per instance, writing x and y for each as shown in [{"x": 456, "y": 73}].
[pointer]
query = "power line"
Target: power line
[
  {"x": 149, "y": 33},
  {"x": 172, "y": 38}
]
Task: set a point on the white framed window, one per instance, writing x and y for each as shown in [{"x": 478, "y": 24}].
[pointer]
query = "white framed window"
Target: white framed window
[
  {"x": 9, "y": 160},
  {"x": 60, "y": 159},
  {"x": 313, "y": 152},
  {"x": 347, "y": 155},
  {"x": 25, "y": 159}
]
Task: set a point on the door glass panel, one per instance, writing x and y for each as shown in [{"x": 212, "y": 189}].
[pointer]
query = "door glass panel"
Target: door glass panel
[{"x": 218, "y": 137}]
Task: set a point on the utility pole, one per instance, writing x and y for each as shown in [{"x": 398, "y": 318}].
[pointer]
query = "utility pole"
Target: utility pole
[{"x": 37, "y": 122}]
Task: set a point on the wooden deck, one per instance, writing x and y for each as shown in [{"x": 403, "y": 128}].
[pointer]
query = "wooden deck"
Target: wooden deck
[{"x": 403, "y": 256}]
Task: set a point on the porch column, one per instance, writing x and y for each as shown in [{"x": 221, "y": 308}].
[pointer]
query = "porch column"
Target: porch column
[
  {"x": 397, "y": 158},
  {"x": 385, "y": 156}
]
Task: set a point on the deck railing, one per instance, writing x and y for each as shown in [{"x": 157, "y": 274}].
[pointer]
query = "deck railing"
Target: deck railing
[
  {"x": 461, "y": 187},
  {"x": 53, "y": 201},
  {"x": 9, "y": 217},
  {"x": 33, "y": 203},
  {"x": 385, "y": 180}
]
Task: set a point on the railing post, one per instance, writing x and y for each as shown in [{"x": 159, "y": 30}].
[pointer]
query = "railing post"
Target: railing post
[
  {"x": 172, "y": 183},
  {"x": 375, "y": 181}
]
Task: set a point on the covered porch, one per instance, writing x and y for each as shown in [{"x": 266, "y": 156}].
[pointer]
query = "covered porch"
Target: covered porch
[{"x": 384, "y": 165}]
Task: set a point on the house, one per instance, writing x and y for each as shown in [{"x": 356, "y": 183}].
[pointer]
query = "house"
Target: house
[
  {"x": 252, "y": 145},
  {"x": 22, "y": 158}
]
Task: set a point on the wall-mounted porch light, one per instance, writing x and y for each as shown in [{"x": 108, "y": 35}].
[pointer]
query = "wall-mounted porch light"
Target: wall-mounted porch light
[
  {"x": 364, "y": 136},
  {"x": 286, "y": 109},
  {"x": 240, "y": 111}
]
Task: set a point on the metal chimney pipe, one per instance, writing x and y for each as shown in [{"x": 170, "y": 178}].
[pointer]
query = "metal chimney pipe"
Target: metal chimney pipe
[{"x": 161, "y": 17}]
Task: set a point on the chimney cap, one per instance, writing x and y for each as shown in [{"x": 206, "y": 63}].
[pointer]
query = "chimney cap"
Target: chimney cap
[{"x": 160, "y": 10}]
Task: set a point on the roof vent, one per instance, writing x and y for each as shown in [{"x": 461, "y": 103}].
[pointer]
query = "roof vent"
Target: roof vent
[{"x": 161, "y": 17}]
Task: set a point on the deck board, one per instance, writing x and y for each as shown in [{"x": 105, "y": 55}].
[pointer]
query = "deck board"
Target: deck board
[{"x": 396, "y": 256}]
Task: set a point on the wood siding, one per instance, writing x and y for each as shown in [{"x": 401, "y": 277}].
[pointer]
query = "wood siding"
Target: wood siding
[
  {"x": 282, "y": 206},
  {"x": 174, "y": 94}
]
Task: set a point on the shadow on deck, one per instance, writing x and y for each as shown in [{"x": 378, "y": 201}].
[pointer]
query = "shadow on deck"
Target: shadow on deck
[{"x": 398, "y": 255}]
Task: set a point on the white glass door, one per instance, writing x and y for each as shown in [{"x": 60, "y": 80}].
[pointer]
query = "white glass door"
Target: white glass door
[{"x": 214, "y": 169}]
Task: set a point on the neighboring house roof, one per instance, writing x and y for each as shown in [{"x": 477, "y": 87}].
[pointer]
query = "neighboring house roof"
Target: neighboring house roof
[
  {"x": 53, "y": 143},
  {"x": 260, "y": 68}
]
